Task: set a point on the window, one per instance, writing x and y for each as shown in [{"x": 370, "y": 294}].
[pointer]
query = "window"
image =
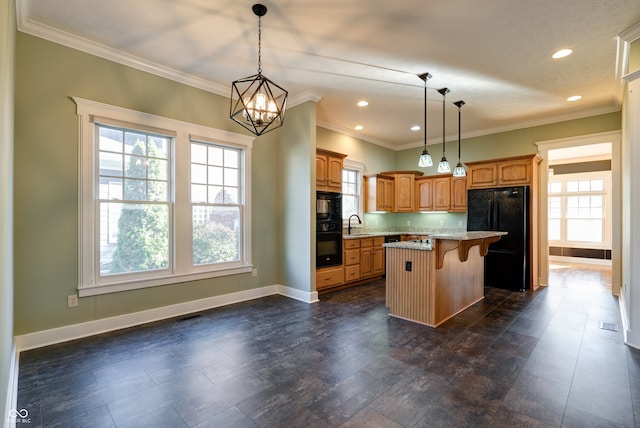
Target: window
[
  {"x": 162, "y": 201},
  {"x": 352, "y": 188},
  {"x": 579, "y": 210}
]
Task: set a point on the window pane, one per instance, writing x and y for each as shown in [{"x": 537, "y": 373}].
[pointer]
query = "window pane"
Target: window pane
[
  {"x": 135, "y": 190},
  {"x": 215, "y": 175},
  {"x": 158, "y": 147},
  {"x": 555, "y": 187},
  {"x": 198, "y": 153},
  {"x": 216, "y": 195},
  {"x": 584, "y": 230},
  {"x": 111, "y": 164},
  {"x": 572, "y": 186},
  {"x": 136, "y": 167},
  {"x": 133, "y": 237},
  {"x": 157, "y": 191},
  {"x": 198, "y": 193},
  {"x": 584, "y": 186},
  {"x": 198, "y": 174},
  {"x": 597, "y": 185},
  {"x": 216, "y": 234},
  {"x": 596, "y": 201},
  {"x": 230, "y": 177},
  {"x": 110, "y": 188},
  {"x": 110, "y": 139},
  {"x": 349, "y": 206},
  {"x": 135, "y": 143},
  {"x": 215, "y": 156},
  {"x": 231, "y": 159}
]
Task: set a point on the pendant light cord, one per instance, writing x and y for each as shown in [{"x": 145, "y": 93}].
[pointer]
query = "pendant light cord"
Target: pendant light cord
[{"x": 259, "y": 44}]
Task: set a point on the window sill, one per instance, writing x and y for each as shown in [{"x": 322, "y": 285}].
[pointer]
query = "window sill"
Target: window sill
[{"x": 117, "y": 287}]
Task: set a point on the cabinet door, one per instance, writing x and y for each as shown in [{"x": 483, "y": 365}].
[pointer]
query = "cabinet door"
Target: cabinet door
[
  {"x": 483, "y": 175},
  {"x": 514, "y": 172},
  {"x": 334, "y": 174},
  {"x": 404, "y": 187},
  {"x": 322, "y": 167},
  {"x": 388, "y": 196},
  {"x": 458, "y": 194},
  {"x": 366, "y": 262},
  {"x": 442, "y": 194},
  {"x": 424, "y": 194},
  {"x": 377, "y": 261}
]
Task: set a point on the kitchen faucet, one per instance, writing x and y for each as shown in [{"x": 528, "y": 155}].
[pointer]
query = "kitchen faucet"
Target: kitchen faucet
[{"x": 349, "y": 223}]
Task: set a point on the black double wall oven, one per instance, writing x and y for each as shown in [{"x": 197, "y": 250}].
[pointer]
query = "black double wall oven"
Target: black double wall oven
[{"x": 328, "y": 229}]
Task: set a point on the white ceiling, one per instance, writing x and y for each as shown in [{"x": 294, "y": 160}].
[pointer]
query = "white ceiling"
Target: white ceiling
[{"x": 494, "y": 54}]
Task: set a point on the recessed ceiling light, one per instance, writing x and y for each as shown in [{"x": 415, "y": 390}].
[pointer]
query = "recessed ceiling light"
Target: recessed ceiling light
[
  {"x": 574, "y": 98},
  {"x": 359, "y": 128},
  {"x": 362, "y": 103},
  {"x": 415, "y": 128},
  {"x": 561, "y": 53}
]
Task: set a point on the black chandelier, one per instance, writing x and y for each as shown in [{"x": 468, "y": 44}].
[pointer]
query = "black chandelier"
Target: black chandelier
[{"x": 258, "y": 103}]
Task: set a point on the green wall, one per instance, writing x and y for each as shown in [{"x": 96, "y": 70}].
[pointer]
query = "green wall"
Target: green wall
[
  {"x": 46, "y": 183},
  {"x": 296, "y": 173},
  {"x": 7, "y": 45},
  {"x": 634, "y": 56}
]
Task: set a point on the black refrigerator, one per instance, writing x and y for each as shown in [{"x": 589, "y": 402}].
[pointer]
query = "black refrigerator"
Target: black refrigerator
[{"x": 507, "y": 264}]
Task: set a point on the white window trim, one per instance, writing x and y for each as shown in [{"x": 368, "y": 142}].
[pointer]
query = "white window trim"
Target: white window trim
[
  {"x": 87, "y": 212},
  {"x": 360, "y": 167}
]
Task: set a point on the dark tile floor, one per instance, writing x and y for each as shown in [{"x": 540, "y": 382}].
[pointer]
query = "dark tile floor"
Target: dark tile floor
[{"x": 515, "y": 359}]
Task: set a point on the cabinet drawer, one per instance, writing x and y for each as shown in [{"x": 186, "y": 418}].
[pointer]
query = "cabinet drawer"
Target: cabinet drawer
[
  {"x": 377, "y": 242},
  {"x": 351, "y": 273},
  {"x": 366, "y": 242},
  {"x": 328, "y": 277},
  {"x": 352, "y": 257},
  {"x": 351, "y": 243}
]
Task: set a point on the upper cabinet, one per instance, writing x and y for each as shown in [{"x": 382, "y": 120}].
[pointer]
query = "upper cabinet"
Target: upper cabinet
[
  {"x": 441, "y": 193},
  {"x": 379, "y": 193},
  {"x": 404, "y": 188},
  {"x": 329, "y": 170},
  {"x": 514, "y": 171}
]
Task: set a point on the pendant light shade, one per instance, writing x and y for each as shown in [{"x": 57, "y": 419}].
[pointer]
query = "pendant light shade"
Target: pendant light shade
[
  {"x": 443, "y": 166},
  {"x": 425, "y": 158},
  {"x": 257, "y": 103},
  {"x": 459, "y": 170}
]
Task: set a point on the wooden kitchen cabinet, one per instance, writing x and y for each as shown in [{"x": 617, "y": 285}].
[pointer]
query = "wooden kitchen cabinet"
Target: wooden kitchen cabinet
[
  {"x": 351, "y": 259},
  {"x": 329, "y": 170},
  {"x": 404, "y": 192},
  {"x": 379, "y": 193},
  {"x": 371, "y": 257},
  {"x": 458, "y": 194},
  {"x": 441, "y": 193},
  {"x": 424, "y": 194},
  {"x": 329, "y": 277},
  {"x": 516, "y": 171}
]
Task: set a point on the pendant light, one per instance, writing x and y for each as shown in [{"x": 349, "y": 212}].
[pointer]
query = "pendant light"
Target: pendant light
[
  {"x": 425, "y": 158},
  {"x": 257, "y": 103},
  {"x": 459, "y": 170},
  {"x": 443, "y": 166}
]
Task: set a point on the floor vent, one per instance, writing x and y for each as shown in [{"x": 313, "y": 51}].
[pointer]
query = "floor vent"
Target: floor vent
[
  {"x": 608, "y": 326},
  {"x": 188, "y": 317}
]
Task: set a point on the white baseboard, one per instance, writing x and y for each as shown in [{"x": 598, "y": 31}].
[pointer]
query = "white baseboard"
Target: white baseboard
[
  {"x": 580, "y": 260},
  {"x": 624, "y": 315},
  {"x": 90, "y": 328}
]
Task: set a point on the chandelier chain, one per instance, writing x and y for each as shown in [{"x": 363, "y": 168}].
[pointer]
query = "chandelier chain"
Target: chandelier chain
[{"x": 259, "y": 45}]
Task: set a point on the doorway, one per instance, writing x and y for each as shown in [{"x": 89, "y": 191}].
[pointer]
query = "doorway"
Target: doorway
[{"x": 579, "y": 210}]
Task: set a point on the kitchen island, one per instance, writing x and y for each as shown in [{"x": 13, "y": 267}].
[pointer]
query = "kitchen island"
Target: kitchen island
[{"x": 428, "y": 282}]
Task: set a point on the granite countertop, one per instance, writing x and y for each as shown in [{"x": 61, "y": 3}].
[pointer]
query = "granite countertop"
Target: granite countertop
[
  {"x": 410, "y": 245},
  {"x": 466, "y": 236},
  {"x": 370, "y": 234}
]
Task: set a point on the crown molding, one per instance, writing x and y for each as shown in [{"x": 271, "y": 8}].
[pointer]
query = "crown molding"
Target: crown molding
[
  {"x": 355, "y": 134},
  {"x": 28, "y": 26},
  {"x": 303, "y": 97}
]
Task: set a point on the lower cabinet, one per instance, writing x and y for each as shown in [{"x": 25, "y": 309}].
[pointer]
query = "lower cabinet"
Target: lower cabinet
[
  {"x": 329, "y": 277},
  {"x": 363, "y": 258}
]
